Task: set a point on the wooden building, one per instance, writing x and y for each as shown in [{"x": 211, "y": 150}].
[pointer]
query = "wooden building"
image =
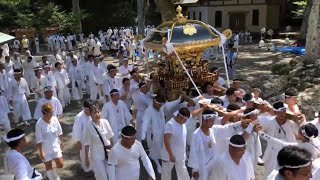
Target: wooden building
[{"x": 238, "y": 14}]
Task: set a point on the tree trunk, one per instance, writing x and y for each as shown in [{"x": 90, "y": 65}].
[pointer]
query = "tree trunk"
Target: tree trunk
[
  {"x": 76, "y": 9},
  {"x": 313, "y": 38},
  {"x": 141, "y": 16},
  {"x": 304, "y": 25},
  {"x": 166, "y": 9}
]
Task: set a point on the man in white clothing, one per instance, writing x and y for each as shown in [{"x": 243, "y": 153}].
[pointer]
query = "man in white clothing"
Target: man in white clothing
[
  {"x": 80, "y": 122},
  {"x": 111, "y": 81},
  {"x": 76, "y": 77},
  {"x": 125, "y": 93},
  {"x": 38, "y": 83},
  {"x": 117, "y": 113},
  {"x": 279, "y": 127},
  {"x": 62, "y": 81},
  {"x": 125, "y": 68},
  {"x": 294, "y": 163},
  {"x": 235, "y": 163},
  {"x": 96, "y": 80},
  {"x": 174, "y": 149},
  {"x": 153, "y": 122},
  {"x": 17, "y": 94},
  {"x": 14, "y": 161},
  {"x": 37, "y": 43},
  {"x": 4, "y": 79},
  {"x": 123, "y": 162},
  {"x": 141, "y": 101},
  {"x": 50, "y": 79},
  {"x": 48, "y": 98}
]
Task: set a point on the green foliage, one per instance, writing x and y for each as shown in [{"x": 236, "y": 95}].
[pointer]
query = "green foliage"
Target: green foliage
[
  {"x": 298, "y": 8},
  {"x": 20, "y": 14},
  {"x": 280, "y": 68}
]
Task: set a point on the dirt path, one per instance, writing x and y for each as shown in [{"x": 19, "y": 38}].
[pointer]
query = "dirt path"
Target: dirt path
[{"x": 252, "y": 62}]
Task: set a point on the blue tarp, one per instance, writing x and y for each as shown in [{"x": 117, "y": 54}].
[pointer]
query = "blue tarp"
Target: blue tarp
[{"x": 300, "y": 50}]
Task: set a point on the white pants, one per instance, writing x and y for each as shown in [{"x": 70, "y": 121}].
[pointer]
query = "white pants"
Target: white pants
[
  {"x": 28, "y": 75},
  {"x": 77, "y": 91},
  {"x": 64, "y": 96},
  {"x": 21, "y": 108},
  {"x": 5, "y": 122},
  {"x": 95, "y": 91},
  {"x": 205, "y": 172},
  {"x": 100, "y": 169},
  {"x": 181, "y": 169},
  {"x": 37, "y": 47},
  {"x": 83, "y": 160}
]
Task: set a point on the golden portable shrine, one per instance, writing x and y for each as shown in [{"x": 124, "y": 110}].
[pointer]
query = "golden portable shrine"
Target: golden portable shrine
[{"x": 189, "y": 38}]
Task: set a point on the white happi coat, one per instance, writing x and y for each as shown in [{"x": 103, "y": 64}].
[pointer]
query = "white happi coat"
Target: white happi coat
[
  {"x": 76, "y": 75},
  {"x": 95, "y": 80},
  {"x": 62, "y": 80},
  {"x": 9, "y": 68},
  {"x": 118, "y": 116},
  {"x": 15, "y": 163},
  {"x": 39, "y": 85},
  {"x": 50, "y": 80},
  {"x": 124, "y": 163},
  {"x": 312, "y": 146},
  {"x": 57, "y": 107},
  {"x": 78, "y": 134},
  {"x": 111, "y": 83},
  {"x": 225, "y": 168},
  {"x": 28, "y": 71},
  {"x": 285, "y": 132},
  {"x": 141, "y": 101},
  {"x": 125, "y": 71},
  {"x": 128, "y": 100},
  {"x": 48, "y": 135},
  {"x": 4, "y": 110},
  {"x": 17, "y": 93},
  {"x": 4, "y": 80}
]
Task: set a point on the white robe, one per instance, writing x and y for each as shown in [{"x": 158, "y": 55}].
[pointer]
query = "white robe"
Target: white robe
[
  {"x": 57, "y": 107},
  {"x": 48, "y": 134},
  {"x": 4, "y": 110},
  {"x": 4, "y": 81},
  {"x": 96, "y": 81},
  {"x": 17, "y": 164},
  {"x": 50, "y": 80},
  {"x": 124, "y": 163},
  {"x": 62, "y": 80},
  {"x": 76, "y": 76},
  {"x": 128, "y": 101},
  {"x": 17, "y": 93},
  {"x": 28, "y": 71},
  {"x": 141, "y": 101},
  {"x": 117, "y": 115},
  {"x": 225, "y": 168},
  {"x": 111, "y": 83},
  {"x": 39, "y": 85},
  {"x": 284, "y": 132},
  {"x": 125, "y": 71},
  {"x": 80, "y": 122}
]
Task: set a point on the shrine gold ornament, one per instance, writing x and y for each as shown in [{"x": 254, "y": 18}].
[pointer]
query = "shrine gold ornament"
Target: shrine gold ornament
[{"x": 189, "y": 38}]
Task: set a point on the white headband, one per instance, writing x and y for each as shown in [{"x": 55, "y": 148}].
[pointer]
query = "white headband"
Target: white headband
[
  {"x": 208, "y": 116},
  {"x": 13, "y": 138},
  {"x": 158, "y": 102},
  {"x": 127, "y": 136},
  {"x": 280, "y": 109},
  {"x": 252, "y": 112},
  {"x": 16, "y": 72},
  {"x": 295, "y": 167},
  {"x": 303, "y": 132},
  {"x": 116, "y": 92},
  {"x": 177, "y": 114},
  {"x": 237, "y": 145}
]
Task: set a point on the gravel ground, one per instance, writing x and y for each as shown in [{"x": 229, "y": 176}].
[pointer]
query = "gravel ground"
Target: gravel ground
[{"x": 252, "y": 61}]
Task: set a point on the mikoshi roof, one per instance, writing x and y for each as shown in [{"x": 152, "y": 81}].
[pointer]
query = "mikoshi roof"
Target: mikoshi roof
[
  {"x": 184, "y": 34},
  {"x": 5, "y": 38}
]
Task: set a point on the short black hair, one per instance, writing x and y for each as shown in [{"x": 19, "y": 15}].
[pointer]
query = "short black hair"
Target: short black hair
[
  {"x": 233, "y": 107},
  {"x": 310, "y": 129},
  {"x": 290, "y": 92},
  {"x": 237, "y": 140},
  {"x": 247, "y": 97},
  {"x": 160, "y": 99},
  {"x": 57, "y": 64},
  {"x": 184, "y": 112},
  {"x": 88, "y": 103},
  {"x": 292, "y": 156},
  {"x": 217, "y": 100},
  {"x": 230, "y": 91},
  {"x": 248, "y": 110},
  {"x": 129, "y": 131},
  {"x": 125, "y": 80}
]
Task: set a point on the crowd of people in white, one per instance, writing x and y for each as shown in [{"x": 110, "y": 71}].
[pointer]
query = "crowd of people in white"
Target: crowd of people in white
[{"x": 186, "y": 132}]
